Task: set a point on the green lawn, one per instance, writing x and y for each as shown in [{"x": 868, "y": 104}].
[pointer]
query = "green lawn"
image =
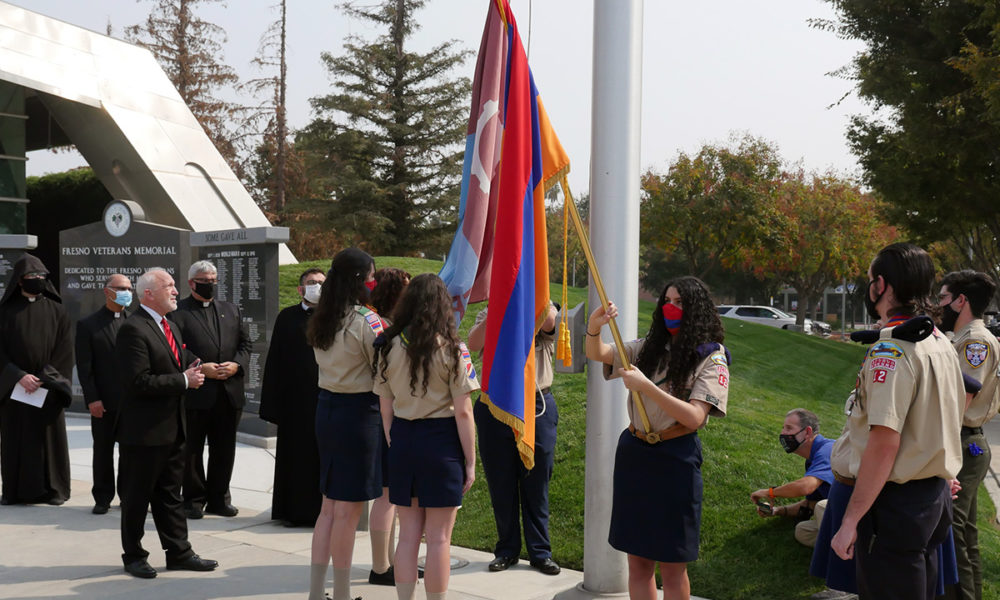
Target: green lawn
[{"x": 742, "y": 555}]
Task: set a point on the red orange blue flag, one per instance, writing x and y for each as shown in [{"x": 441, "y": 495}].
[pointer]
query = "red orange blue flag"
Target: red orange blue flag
[{"x": 500, "y": 252}]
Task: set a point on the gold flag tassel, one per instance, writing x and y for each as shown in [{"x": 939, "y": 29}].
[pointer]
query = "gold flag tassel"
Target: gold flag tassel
[
  {"x": 564, "y": 350},
  {"x": 592, "y": 264}
]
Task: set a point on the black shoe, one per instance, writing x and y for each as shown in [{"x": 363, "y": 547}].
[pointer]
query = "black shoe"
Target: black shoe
[
  {"x": 193, "y": 563},
  {"x": 226, "y": 510},
  {"x": 193, "y": 512},
  {"x": 100, "y": 509},
  {"x": 56, "y": 501},
  {"x": 386, "y": 578},
  {"x": 546, "y": 565},
  {"x": 502, "y": 563},
  {"x": 141, "y": 569},
  {"x": 5, "y": 501}
]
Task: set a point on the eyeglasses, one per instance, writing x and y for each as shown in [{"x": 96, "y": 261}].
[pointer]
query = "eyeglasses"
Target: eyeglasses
[{"x": 206, "y": 280}]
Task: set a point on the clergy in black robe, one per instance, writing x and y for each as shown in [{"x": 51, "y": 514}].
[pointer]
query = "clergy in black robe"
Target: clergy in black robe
[
  {"x": 288, "y": 399},
  {"x": 36, "y": 350}
]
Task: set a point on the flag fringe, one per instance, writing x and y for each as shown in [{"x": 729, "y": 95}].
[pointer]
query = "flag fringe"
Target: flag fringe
[{"x": 527, "y": 452}]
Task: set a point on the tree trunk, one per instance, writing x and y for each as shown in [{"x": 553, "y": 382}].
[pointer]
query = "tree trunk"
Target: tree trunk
[{"x": 279, "y": 115}]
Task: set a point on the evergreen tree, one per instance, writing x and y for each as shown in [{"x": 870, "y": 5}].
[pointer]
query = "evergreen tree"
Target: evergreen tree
[
  {"x": 275, "y": 169},
  {"x": 190, "y": 51},
  {"x": 385, "y": 149}
]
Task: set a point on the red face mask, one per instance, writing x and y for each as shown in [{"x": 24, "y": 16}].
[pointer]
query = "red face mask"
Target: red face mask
[
  {"x": 672, "y": 317},
  {"x": 370, "y": 285}
]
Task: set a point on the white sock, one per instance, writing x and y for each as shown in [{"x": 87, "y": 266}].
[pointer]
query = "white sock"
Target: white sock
[{"x": 317, "y": 582}]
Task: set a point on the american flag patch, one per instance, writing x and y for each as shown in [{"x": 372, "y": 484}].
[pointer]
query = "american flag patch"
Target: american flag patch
[
  {"x": 375, "y": 323},
  {"x": 470, "y": 370}
]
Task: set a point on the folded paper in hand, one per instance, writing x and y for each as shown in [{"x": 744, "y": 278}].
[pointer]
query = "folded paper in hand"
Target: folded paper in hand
[{"x": 36, "y": 398}]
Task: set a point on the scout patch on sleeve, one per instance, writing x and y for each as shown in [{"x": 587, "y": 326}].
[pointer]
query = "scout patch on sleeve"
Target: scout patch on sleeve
[
  {"x": 723, "y": 375},
  {"x": 976, "y": 353},
  {"x": 374, "y": 322},
  {"x": 886, "y": 350},
  {"x": 470, "y": 370},
  {"x": 712, "y": 400},
  {"x": 886, "y": 364},
  {"x": 879, "y": 375},
  {"x": 719, "y": 358}
]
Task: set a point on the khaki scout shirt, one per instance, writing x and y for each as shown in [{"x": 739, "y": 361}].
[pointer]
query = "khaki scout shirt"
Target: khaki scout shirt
[
  {"x": 915, "y": 389},
  {"x": 709, "y": 383},
  {"x": 346, "y": 366},
  {"x": 443, "y": 386},
  {"x": 545, "y": 349},
  {"x": 979, "y": 355}
]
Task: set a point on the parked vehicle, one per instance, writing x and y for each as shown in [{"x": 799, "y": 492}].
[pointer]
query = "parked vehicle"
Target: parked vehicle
[{"x": 768, "y": 315}]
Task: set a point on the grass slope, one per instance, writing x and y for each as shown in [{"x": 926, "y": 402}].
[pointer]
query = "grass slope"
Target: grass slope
[{"x": 742, "y": 555}]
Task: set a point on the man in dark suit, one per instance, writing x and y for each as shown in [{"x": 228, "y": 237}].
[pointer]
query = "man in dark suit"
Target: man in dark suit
[
  {"x": 98, "y": 373},
  {"x": 150, "y": 430},
  {"x": 214, "y": 331}
]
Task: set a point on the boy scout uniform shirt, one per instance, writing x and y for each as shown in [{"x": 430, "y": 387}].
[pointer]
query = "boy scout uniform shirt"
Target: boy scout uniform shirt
[
  {"x": 708, "y": 383},
  {"x": 915, "y": 389},
  {"x": 346, "y": 366},
  {"x": 443, "y": 385},
  {"x": 545, "y": 348},
  {"x": 979, "y": 355}
]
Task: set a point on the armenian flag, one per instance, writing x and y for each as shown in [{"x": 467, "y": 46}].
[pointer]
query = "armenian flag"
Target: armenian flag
[{"x": 512, "y": 157}]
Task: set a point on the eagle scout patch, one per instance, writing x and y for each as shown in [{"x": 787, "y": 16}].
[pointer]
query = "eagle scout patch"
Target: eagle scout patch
[
  {"x": 886, "y": 350},
  {"x": 719, "y": 358},
  {"x": 888, "y": 364},
  {"x": 976, "y": 353},
  {"x": 470, "y": 370}
]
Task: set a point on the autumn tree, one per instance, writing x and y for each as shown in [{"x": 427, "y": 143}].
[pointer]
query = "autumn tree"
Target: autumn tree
[
  {"x": 830, "y": 231},
  {"x": 385, "y": 149},
  {"x": 190, "y": 51},
  {"x": 932, "y": 145},
  {"x": 708, "y": 207}
]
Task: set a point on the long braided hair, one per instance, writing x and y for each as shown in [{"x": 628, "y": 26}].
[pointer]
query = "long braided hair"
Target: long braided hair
[{"x": 700, "y": 323}]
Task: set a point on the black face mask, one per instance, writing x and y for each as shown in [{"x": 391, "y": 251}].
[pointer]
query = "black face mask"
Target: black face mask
[
  {"x": 870, "y": 304},
  {"x": 948, "y": 317},
  {"x": 33, "y": 286},
  {"x": 789, "y": 442},
  {"x": 205, "y": 290}
]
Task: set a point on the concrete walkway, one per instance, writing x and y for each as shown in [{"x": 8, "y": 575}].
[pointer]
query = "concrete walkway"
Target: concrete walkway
[{"x": 67, "y": 552}]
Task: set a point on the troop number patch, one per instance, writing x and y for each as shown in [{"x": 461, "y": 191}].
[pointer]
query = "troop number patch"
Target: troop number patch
[{"x": 878, "y": 375}]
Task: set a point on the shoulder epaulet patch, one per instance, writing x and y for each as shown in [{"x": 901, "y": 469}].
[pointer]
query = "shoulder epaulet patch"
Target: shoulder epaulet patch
[
  {"x": 374, "y": 322},
  {"x": 976, "y": 353},
  {"x": 470, "y": 369},
  {"x": 716, "y": 351},
  {"x": 886, "y": 349},
  {"x": 914, "y": 330}
]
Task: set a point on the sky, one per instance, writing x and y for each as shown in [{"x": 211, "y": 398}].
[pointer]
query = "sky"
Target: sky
[{"x": 710, "y": 68}]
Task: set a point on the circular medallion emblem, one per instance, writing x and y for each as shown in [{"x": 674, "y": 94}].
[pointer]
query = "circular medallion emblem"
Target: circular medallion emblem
[{"x": 117, "y": 218}]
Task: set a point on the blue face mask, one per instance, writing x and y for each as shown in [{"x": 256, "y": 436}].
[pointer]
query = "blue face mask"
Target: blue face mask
[{"x": 123, "y": 298}]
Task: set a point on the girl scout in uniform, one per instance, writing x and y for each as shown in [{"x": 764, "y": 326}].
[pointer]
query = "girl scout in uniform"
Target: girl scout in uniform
[
  {"x": 682, "y": 373},
  {"x": 348, "y": 428},
  {"x": 423, "y": 377}
]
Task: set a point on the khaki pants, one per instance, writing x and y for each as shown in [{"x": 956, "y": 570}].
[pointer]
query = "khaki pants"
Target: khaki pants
[{"x": 806, "y": 531}]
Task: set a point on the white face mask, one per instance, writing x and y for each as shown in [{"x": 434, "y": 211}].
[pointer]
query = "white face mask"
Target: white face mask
[{"x": 312, "y": 292}]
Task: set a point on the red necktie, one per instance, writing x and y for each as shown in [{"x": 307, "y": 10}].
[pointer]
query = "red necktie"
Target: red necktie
[{"x": 170, "y": 339}]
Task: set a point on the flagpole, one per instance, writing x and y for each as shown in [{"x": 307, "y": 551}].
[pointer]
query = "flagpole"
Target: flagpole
[{"x": 614, "y": 236}]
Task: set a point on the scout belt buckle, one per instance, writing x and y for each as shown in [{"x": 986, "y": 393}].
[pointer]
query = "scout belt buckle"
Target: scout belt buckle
[{"x": 652, "y": 437}]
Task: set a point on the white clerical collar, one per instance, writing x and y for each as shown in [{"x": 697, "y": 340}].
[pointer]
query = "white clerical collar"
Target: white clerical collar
[
  {"x": 117, "y": 314},
  {"x": 31, "y": 298},
  {"x": 206, "y": 303}
]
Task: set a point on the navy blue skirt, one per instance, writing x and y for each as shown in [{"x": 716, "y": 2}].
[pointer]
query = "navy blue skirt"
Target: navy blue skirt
[
  {"x": 840, "y": 574},
  {"x": 656, "y": 509},
  {"x": 426, "y": 462},
  {"x": 350, "y": 439}
]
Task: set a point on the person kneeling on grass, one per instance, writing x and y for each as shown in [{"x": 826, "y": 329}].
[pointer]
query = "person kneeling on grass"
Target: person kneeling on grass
[{"x": 800, "y": 435}]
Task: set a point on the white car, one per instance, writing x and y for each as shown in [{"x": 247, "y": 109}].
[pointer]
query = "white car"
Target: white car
[{"x": 768, "y": 315}]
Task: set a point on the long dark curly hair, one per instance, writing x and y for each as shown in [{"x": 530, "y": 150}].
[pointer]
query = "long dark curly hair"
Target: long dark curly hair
[
  {"x": 344, "y": 287},
  {"x": 424, "y": 317},
  {"x": 389, "y": 285},
  {"x": 700, "y": 323}
]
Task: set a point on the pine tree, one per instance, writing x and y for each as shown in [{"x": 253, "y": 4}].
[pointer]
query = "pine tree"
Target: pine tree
[
  {"x": 190, "y": 51},
  {"x": 275, "y": 166},
  {"x": 386, "y": 147}
]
